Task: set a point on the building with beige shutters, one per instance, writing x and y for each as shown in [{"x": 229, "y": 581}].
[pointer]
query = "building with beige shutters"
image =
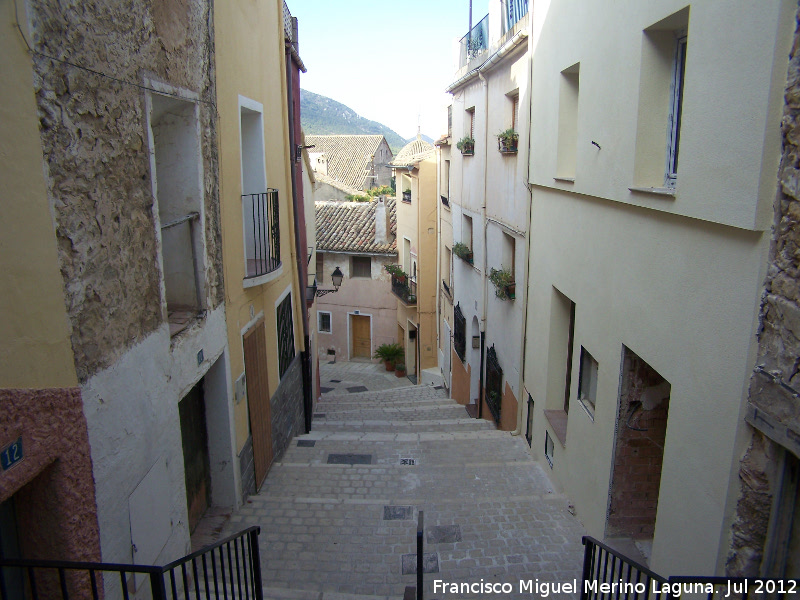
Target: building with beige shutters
[
  {"x": 414, "y": 168},
  {"x": 358, "y": 238}
]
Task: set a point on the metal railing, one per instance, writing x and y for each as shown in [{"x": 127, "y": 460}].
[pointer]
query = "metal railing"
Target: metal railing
[
  {"x": 515, "y": 10},
  {"x": 229, "y": 569},
  {"x": 262, "y": 243},
  {"x": 475, "y": 42},
  {"x": 610, "y": 574},
  {"x": 405, "y": 288}
]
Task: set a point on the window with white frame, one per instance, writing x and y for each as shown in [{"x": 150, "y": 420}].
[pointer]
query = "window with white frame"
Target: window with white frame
[
  {"x": 324, "y": 322},
  {"x": 675, "y": 109}
]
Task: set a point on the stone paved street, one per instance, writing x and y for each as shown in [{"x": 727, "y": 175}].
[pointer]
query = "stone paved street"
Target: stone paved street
[{"x": 326, "y": 531}]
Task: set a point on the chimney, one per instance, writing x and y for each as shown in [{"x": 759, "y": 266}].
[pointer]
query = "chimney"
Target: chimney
[{"x": 382, "y": 227}]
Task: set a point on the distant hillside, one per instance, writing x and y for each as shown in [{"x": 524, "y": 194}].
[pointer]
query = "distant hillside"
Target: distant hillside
[{"x": 319, "y": 115}]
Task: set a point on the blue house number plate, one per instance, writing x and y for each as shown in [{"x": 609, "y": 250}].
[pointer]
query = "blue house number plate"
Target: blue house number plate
[{"x": 11, "y": 455}]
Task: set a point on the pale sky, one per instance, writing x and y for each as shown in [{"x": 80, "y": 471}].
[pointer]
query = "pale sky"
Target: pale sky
[{"x": 388, "y": 61}]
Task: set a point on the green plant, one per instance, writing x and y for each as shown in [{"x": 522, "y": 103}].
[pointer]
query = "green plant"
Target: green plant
[
  {"x": 407, "y": 191},
  {"x": 383, "y": 190},
  {"x": 466, "y": 144},
  {"x": 356, "y": 198},
  {"x": 400, "y": 367},
  {"x": 501, "y": 278},
  {"x": 389, "y": 352},
  {"x": 462, "y": 251},
  {"x": 509, "y": 135},
  {"x": 395, "y": 270}
]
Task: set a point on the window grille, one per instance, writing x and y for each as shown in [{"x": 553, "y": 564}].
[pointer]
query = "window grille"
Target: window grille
[
  {"x": 494, "y": 383},
  {"x": 285, "y": 335},
  {"x": 459, "y": 332}
]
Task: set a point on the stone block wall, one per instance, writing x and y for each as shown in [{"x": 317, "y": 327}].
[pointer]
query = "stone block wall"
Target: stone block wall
[
  {"x": 91, "y": 63},
  {"x": 778, "y": 348},
  {"x": 286, "y": 407}
]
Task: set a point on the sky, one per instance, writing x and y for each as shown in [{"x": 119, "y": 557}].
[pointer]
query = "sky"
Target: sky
[{"x": 388, "y": 61}]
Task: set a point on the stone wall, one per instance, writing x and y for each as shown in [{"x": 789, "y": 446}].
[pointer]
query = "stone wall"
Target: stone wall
[
  {"x": 90, "y": 66},
  {"x": 778, "y": 347},
  {"x": 286, "y": 406}
]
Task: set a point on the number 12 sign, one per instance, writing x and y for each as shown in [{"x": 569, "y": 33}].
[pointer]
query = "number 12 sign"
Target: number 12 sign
[{"x": 11, "y": 454}]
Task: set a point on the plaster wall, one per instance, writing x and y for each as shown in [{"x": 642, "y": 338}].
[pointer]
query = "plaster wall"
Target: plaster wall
[
  {"x": 371, "y": 296},
  {"x": 34, "y": 322},
  {"x": 746, "y": 63},
  {"x": 131, "y": 410},
  {"x": 244, "y": 31},
  {"x": 681, "y": 294},
  {"x": 445, "y": 242},
  {"x": 94, "y": 133}
]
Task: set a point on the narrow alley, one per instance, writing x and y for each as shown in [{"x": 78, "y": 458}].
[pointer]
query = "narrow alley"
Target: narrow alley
[{"x": 338, "y": 512}]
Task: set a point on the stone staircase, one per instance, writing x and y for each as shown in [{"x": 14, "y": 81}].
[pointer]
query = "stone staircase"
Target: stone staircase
[{"x": 338, "y": 511}]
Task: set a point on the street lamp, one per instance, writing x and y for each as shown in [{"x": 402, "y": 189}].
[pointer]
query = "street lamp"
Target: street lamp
[{"x": 336, "y": 277}]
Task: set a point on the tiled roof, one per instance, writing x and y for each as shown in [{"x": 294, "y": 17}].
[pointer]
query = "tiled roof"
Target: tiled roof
[
  {"x": 347, "y": 155},
  {"x": 322, "y": 178},
  {"x": 350, "y": 226},
  {"x": 413, "y": 152}
]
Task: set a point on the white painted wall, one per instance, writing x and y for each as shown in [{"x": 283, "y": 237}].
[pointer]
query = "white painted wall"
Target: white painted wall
[
  {"x": 132, "y": 416},
  {"x": 676, "y": 280}
]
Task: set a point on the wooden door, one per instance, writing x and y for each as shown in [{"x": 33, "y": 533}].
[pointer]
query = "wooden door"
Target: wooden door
[
  {"x": 196, "y": 467},
  {"x": 255, "y": 368},
  {"x": 359, "y": 327}
]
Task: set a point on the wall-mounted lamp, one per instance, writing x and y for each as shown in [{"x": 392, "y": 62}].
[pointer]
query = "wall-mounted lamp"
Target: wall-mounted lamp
[{"x": 336, "y": 277}]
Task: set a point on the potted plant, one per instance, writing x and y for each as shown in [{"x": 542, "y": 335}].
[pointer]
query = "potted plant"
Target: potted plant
[
  {"x": 503, "y": 280},
  {"x": 407, "y": 195},
  {"x": 507, "y": 141},
  {"x": 466, "y": 145},
  {"x": 463, "y": 252},
  {"x": 400, "y": 370},
  {"x": 397, "y": 272},
  {"x": 389, "y": 354}
]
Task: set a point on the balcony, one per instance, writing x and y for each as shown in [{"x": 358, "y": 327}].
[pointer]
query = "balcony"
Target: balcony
[
  {"x": 262, "y": 236},
  {"x": 405, "y": 288},
  {"x": 475, "y": 42}
]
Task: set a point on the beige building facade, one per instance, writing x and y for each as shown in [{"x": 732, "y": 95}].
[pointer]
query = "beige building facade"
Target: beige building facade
[{"x": 652, "y": 180}]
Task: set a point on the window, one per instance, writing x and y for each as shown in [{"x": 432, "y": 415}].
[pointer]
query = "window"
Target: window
[
  {"x": 559, "y": 367},
  {"x": 514, "y": 101},
  {"x": 548, "y": 448},
  {"x": 567, "y": 149},
  {"x": 361, "y": 266},
  {"x": 320, "y": 267},
  {"x": 447, "y": 270},
  {"x": 324, "y": 322},
  {"x": 509, "y": 253},
  {"x": 450, "y": 120},
  {"x": 466, "y": 231},
  {"x": 675, "y": 109},
  {"x": 529, "y": 424},
  {"x": 176, "y": 177},
  {"x": 446, "y": 181},
  {"x": 471, "y": 123},
  {"x": 285, "y": 334},
  {"x": 587, "y": 384},
  {"x": 459, "y": 332}
]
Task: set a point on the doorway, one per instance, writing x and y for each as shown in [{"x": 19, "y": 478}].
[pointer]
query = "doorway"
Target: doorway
[
  {"x": 643, "y": 409},
  {"x": 360, "y": 336},
  {"x": 254, "y": 343},
  {"x": 196, "y": 467},
  {"x": 411, "y": 353}
]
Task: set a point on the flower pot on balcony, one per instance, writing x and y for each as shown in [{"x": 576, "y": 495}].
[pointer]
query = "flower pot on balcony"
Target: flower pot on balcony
[
  {"x": 507, "y": 146},
  {"x": 511, "y": 291},
  {"x": 407, "y": 196},
  {"x": 466, "y": 145}
]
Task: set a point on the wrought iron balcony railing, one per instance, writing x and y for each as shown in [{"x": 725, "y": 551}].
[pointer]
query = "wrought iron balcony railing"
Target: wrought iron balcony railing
[
  {"x": 405, "y": 288},
  {"x": 262, "y": 234},
  {"x": 475, "y": 42}
]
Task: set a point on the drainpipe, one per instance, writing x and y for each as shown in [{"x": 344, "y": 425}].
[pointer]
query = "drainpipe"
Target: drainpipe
[{"x": 305, "y": 354}]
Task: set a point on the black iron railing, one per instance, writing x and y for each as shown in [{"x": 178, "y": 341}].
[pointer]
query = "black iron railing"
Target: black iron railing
[
  {"x": 494, "y": 384},
  {"x": 262, "y": 235},
  {"x": 229, "y": 569},
  {"x": 603, "y": 566},
  {"x": 459, "y": 332},
  {"x": 405, "y": 288}
]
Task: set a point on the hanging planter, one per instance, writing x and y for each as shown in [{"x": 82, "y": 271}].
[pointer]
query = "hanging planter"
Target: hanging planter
[
  {"x": 466, "y": 145},
  {"x": 463, "y": 252},
  {"x": 507, "y": 141},
  {"x": 503, "y": 280}
]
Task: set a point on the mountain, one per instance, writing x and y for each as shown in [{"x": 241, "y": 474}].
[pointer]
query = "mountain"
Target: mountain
[{"x": 319, "y": 115}]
